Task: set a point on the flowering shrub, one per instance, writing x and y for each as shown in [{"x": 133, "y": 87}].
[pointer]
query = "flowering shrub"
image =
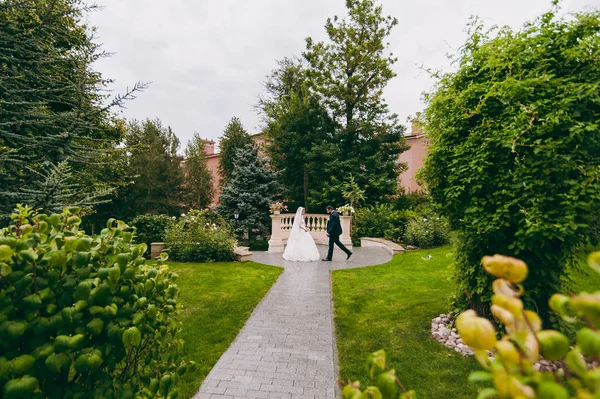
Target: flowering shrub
[
  {"x": 83, "y": 315},
  {"x": 151, "y": 228},
  {"x": 427, "y": 232},
  {"x": 200, "y": 236},
  {"x": 346, "y": 208},
  {"x": 278, "y": 206}
]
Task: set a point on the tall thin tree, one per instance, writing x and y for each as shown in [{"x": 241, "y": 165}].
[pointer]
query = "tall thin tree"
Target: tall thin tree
[
  {"x": 295, "y": 123},
  {"x": 234, "y": 138},
  {"x": 349, "y": 74},
  {"x": 198, "y": 179}
]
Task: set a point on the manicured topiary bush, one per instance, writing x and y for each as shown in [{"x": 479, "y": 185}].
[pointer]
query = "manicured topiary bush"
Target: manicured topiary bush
[
  {"x": 84, "y": 316},
  {"x": 513, "y": 161}
]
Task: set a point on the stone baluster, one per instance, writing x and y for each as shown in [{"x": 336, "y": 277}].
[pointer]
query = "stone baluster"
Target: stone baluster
[
  {"x": 345, "y": 238},
  {"x": 276, "y": 243},
  {"x": 281, "y": 226}
]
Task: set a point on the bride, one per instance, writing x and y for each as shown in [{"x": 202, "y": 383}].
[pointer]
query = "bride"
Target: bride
[{"x": 300, "y": 245}]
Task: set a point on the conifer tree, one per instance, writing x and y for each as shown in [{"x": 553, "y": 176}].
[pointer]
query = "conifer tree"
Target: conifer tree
[
  {"x": 198, "y": 179},
  {"x": 234, "y": 138},
  {"x": 155, "y": 167},
  {"x": 252, "y": 188},
  {"x": 52, "y": 106}
]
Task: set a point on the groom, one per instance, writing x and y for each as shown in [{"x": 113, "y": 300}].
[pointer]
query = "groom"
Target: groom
[{"x": 334, "y": 230}]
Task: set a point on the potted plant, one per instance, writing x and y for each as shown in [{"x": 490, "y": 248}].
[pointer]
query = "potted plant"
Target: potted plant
[
  {"x": 277, "y": 206},
  {"x": 346, "y": 210}
]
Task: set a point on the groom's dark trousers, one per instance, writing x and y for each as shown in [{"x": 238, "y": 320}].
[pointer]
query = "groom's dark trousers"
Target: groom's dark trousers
[
  {"x": 334, "y": 230},
  {"x": 335, "y": 239}
]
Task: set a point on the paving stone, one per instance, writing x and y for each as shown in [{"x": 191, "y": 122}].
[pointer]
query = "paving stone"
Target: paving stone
[
  {"x": 257, "y": 394},
  {"x": 286, "y": 349}
]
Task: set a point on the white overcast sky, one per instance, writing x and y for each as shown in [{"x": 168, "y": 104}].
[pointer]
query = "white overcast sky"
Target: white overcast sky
[{"x": 207, "y": 59}]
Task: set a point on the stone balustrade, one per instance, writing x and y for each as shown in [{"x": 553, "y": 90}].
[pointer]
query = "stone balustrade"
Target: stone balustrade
[{"x": 281, "y": 225}]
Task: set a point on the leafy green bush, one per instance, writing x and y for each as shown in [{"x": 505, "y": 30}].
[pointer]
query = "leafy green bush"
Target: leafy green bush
[
  {"x": 423, "y": 232},
  {"x": 413, "y": 201},
  {"x": 380, "y": 221},
  {"x": 151, "y": 228},
  {"x": 259, "y": 245},
  {"x": 82, "y": 315},
  {"x": 513, "y": 161},
  {"x": 200, "y": 236}
]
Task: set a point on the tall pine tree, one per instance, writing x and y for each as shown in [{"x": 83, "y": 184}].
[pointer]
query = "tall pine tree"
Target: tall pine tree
[
  {"x": 57, "y": 188},
  {"x": 156, "y": 172},
  {"x": 234, "y": 138},
  {"x": 198, "y": 179},
  {"x": 52, "y": 109},
  {"x": 349, "y": 74},
  {"x": 252, "y": 188}
]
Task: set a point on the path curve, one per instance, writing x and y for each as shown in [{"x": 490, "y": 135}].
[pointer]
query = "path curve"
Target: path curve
[{"x": 287, "y": 346}]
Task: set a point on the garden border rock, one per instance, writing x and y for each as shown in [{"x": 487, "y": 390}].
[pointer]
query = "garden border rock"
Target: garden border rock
[{"x": 443, "y": 331}]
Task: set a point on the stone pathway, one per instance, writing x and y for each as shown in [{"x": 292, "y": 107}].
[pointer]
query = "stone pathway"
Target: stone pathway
[{"x": 287, "y": 347}]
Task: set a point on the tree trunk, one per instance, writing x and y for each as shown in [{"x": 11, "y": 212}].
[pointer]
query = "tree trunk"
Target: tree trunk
[{"x": 305, "y": 186}]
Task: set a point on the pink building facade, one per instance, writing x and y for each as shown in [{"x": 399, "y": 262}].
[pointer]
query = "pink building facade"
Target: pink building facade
[
  {"x": 212, "y": 163},
  {"x": 413, "y": 157}
]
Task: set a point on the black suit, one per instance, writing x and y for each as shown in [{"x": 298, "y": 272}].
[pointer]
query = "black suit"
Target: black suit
[{"x": 334, "y": 229}]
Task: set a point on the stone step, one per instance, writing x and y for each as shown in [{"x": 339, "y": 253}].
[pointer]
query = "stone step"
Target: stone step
[
  {"x": 242, "y": 254},
  {"x": 391, "y": 246}
]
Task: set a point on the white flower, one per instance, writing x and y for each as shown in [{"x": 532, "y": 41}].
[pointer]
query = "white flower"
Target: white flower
[
  {"x": 173, "y": 217},
  {"x": 207, "y": 224},
  {"x": 183, "y": 215},
  {"x": 424, "y": 219},
  {"x": 214, "y": 225}
]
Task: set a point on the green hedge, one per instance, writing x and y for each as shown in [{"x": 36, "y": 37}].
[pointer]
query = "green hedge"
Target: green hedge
[
  {"x": 380, "y": 221},
  {"x": 151, "y": 228}
]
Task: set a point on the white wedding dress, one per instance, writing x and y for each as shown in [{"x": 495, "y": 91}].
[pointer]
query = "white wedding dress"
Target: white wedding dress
[{"x": 300, "y": 245}]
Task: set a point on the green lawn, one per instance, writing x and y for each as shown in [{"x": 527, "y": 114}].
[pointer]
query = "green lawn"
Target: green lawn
[
  {"x": 217, "y": 300},
  {"x": 391, "y": 306},
  {"x": 586, "y": 279}
]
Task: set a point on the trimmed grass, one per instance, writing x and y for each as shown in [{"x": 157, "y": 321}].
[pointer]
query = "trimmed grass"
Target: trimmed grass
[
  {"x": 586, "y": 279},
  {"x": 217, "y": 300},
  {"x": 390, "y": 307}
]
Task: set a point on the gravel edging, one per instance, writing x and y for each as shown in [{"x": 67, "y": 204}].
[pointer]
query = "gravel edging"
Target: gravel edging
[{"x": 443, "y": 331}]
